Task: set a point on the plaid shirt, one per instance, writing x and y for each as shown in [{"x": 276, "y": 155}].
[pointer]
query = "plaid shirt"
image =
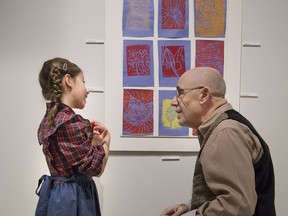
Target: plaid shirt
[{"x": 67, "y": 144}]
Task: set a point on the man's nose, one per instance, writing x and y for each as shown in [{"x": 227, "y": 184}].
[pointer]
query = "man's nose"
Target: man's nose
[{"x": 174, "y": 101}]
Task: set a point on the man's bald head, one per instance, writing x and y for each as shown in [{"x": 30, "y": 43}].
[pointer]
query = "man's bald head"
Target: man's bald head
[{"x": 205, "y": 76}]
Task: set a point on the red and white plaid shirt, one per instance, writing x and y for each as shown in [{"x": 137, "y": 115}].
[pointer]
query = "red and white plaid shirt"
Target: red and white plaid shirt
[{"x": 67, "y": 144}]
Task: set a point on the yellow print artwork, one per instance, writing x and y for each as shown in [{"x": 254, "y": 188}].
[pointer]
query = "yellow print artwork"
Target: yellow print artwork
[
  {"x": 169, "y": 116},
  {"x": 210, "y": 18}
]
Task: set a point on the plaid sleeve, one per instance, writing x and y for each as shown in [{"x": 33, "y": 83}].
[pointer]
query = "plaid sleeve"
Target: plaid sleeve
[{"x": 75, "y": 144}]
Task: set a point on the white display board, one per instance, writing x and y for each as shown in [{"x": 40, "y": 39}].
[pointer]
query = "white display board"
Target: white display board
[{"x": 114, "y": 76}]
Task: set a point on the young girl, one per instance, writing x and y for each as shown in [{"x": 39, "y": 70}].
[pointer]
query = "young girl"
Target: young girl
[{"x": 75, "y": 148}]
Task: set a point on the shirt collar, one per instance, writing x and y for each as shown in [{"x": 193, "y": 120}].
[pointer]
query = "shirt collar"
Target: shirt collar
[{"x": 202, "y": 130}]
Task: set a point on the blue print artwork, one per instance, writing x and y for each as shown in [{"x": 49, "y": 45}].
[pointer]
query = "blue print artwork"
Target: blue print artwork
[{"x": 138, "y": 18}]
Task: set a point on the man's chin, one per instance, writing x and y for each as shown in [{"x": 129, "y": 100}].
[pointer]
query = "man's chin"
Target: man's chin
[{"x": 181, "y": 122}]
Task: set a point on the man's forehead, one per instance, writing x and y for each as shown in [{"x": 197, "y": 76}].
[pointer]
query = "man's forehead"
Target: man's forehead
[{"x": 185, "y": 79}]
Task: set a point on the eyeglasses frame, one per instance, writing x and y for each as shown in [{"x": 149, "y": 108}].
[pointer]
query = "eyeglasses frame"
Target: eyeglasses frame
[{"x": 180, "y": 92}]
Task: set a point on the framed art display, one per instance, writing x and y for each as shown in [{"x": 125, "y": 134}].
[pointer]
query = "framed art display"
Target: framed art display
[{"x": 144, "y": 60}]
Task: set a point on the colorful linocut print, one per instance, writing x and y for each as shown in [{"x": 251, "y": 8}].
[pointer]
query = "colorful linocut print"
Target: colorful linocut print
[
  {"x": 210, "y": 18},
  {"x": 168, "y": 122},
  {"x": 138, "y": 63},
  {"x": 137, "y": 112},
  {"x": 174, "y": 60},
  {"x": 173, "y": 18},
  {"x": 210, "y": 54},
  {"x": 138, "y": 18}
]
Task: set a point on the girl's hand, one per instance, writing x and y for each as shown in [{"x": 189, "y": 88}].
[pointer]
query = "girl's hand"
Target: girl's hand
[{"x": 100, "y": 133}]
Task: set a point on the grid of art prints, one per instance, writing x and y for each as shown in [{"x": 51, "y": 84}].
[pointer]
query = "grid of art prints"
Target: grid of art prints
[{"x": 137, "y": 110}]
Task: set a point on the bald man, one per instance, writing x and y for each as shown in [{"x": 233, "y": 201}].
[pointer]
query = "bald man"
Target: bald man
[{"x": 233, "y": 172}]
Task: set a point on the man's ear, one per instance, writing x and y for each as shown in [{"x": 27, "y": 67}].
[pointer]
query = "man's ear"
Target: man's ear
[
  {"x": 68, "y": 80},
  {"x": 205, "y": 95}
]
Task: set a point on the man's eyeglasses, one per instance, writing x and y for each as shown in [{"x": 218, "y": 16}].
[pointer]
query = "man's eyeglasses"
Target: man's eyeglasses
[{"x": 180, "y": 92}]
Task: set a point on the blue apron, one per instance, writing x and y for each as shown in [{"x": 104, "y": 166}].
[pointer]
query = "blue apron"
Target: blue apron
[{"x": 61, "y": 196}]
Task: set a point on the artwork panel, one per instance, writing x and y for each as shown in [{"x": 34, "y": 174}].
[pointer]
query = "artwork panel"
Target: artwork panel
[
  {"x": 210, "y": 53},
  {"x": 138, "y": 18},
  {"x": 168, "y": 121},
  {"x": 174, "y": 60},
  {"x": 138, "y": 66},
  {"x": 210, "y": 18},
  {"x": 137, "y": 112},
  {"x": 173, "y": 18}
]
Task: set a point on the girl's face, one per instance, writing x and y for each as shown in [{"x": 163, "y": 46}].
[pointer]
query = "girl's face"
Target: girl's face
[{"x": 79, "y": 92}]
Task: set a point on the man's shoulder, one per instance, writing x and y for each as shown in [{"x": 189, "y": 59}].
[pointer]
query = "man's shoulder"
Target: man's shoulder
[{"x": 231, "y": 124}]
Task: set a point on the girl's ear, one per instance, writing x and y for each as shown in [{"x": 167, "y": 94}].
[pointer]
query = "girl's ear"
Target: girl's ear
[{"x": 68, "y": 80}]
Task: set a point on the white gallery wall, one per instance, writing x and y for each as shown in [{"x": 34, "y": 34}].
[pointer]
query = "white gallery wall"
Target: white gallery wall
[
  {"x": 264, "y": 76},
  {"x": 134, "y": 183}
]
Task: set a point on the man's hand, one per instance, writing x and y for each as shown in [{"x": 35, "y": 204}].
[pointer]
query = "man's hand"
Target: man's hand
[{"x": 175, "y": 210}]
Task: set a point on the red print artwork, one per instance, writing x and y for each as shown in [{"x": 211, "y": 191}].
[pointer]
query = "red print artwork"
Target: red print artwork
[
  {"x": 138, "y": 60},
  {"x": 138, "y": 112},
  {"x": 173, "y": 14},
  {"x": 173, "y": 61},
  {"x": 210, "y": 54}
]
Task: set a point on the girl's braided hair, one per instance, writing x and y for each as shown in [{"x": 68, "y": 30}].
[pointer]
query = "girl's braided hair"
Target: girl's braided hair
[{"x": 50, "y": 78}]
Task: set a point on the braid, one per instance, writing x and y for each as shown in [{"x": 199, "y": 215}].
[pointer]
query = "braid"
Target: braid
[
  {"x": 50, "y": 79},
  {"x": 56, "y": 92}
]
